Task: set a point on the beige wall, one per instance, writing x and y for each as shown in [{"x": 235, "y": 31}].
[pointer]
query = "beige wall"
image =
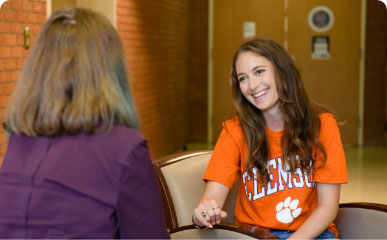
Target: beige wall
[
  {"x": 58, "y": 4},
  {"x": 106, "y": 7}
]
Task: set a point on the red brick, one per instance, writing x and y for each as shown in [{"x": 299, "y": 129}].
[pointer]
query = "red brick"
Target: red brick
[
  {"x": 2, "y": 112},
  {"x": 15, "y": 4},
  {"x": 7, "y": 88},
  {"x": 35, "y": 29},
  {"x": 20, "y": 63},
  {"x": 3, "y": 149},
  {"x": 9, "y": 15},
  {"x": 22, "y": 17},
  {"x": 5, "y": 76},
  {"x": 15, "y": 75},
  {"x": 38, "y": 7},
  {"x": 9, "y": 40},
  {"x": 17, "y": 52},
  {"x": 5, "y": 52},
  {"x": 19, "y": 40},
  {"x": 41, "y": 18},
  {"x": 33, "y": 37},
  {"x": 4, "y": 27},
  {"x": 3, "y": 101},
  {"x": 16, "y": 28},
  {"x": 27, "y": 6},
  {"x": 32, "y": 17},
  {"x": 10, "y": 64},
  {"x": 3, "y": 138}
]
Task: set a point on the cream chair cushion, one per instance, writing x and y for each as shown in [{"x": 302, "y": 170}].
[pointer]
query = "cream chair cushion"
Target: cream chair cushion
[{"x": 187, "y": 174}]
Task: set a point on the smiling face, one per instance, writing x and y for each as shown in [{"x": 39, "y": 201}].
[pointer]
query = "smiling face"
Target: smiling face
[{"x": 256, "y": 76}]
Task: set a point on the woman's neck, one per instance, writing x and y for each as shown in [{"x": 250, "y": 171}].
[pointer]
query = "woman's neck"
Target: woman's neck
[{"x": 274, "y": 120}]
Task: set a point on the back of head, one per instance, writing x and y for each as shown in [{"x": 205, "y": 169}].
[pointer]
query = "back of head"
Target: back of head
[{"x": 74, "y": 79}]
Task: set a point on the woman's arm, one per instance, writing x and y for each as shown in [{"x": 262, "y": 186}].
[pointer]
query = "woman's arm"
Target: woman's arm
[
  {"x": 209, "y": 211},
  {"x": 326, "y": 211}
]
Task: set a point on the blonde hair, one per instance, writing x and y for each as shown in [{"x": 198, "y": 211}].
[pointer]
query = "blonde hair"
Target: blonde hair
[{"x": 74, "y": 79}]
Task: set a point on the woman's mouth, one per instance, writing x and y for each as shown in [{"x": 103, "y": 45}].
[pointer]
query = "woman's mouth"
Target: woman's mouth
[{"x": 260, "y": 93}]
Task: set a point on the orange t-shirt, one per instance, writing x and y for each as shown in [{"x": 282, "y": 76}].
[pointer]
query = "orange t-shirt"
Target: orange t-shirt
[{"x": 289, "y": 198}]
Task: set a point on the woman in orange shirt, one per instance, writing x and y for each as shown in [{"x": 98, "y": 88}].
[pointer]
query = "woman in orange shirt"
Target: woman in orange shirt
[{"x": 285, "y": 150}]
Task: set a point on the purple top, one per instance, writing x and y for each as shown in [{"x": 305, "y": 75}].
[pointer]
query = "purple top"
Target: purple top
[{"x": 83, "y": 186}]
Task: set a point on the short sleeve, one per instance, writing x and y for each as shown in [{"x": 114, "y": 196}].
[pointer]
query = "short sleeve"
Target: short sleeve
[
  {"x": 139, "y": 204},
  {"x": 334, "y": 170},
  {"x": 225, "y": 160}
]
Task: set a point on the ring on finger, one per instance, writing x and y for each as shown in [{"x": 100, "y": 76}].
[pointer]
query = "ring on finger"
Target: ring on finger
[{"x": 204, "y": 214}]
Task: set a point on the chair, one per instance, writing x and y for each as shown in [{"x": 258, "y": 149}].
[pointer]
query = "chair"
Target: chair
[
  {"x": 362, "y": 221},
  {"x": 180, "y": 177}
]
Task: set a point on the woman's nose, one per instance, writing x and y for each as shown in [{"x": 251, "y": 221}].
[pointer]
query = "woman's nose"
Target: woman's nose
[{"x": 254, "y": 83}]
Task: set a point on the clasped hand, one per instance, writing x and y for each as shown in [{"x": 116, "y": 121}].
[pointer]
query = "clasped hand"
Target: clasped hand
[{"x": 208, "y": 213}]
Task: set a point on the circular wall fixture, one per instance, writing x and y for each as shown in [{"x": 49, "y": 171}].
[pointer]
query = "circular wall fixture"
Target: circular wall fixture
[{"x": 321, "y": 19}]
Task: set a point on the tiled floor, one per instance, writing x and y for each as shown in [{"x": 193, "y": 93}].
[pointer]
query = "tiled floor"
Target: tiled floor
[{"x": 367, "y": 172}]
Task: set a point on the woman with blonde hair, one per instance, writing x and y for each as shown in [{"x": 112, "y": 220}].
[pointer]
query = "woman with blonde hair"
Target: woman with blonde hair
[{"x": 76, "y": 167}]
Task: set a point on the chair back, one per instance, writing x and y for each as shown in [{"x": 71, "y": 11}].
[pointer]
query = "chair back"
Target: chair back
[
  {"x": 181, "y": 179},
  {"x": 362, "y": 221}
]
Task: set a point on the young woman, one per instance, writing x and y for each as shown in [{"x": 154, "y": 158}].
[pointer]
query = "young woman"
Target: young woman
[
  {"x": 75, "y": 166},
  {"x": 285, "y": 150}
]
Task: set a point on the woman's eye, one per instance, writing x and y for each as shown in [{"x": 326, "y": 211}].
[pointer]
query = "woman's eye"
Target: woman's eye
[
  {"x": 259, "y": 71},
  {"x": 241, "y": 79}
]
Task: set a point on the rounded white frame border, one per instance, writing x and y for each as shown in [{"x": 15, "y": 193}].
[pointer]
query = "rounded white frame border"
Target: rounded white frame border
[{"x": 331, "y": 18}]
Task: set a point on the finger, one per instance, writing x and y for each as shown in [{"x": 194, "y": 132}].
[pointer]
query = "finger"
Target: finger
[
  {"x": 199, "y": 219},
  {"x": 223, "y": 214},
  {"x": 211, "y": 214},
  {"x": 216, "y": 210}
]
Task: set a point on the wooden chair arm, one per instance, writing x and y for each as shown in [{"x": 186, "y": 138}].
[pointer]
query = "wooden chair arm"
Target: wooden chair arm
[
  {"x": 251, "y": 231},
  {"x": 366, "y": 205}
]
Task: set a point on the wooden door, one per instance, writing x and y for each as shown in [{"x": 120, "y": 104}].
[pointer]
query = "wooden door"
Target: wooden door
[
  {"x": 228, "y": 19},
  {"x": 333, "y": 82}
]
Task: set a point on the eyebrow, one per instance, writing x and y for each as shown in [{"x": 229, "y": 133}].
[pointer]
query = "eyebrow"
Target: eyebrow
[{"x": 254, "y": 68}]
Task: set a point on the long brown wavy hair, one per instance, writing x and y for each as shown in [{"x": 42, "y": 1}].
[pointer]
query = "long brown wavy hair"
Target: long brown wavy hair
[
  {"x": 302, "y": 123},
  {"x": 74, "y": 79}
]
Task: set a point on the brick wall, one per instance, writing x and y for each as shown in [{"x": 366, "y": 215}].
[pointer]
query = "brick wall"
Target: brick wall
[
  {"x": 14, "y": 16},
  {"x": 158, "y": 41}
]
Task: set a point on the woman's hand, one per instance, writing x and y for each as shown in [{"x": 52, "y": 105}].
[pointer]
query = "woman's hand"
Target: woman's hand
[{"x": 208, "y": 213}]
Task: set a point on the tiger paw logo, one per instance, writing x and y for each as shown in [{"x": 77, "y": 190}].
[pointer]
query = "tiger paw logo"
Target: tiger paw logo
[{"x": 287, "y": 210}]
